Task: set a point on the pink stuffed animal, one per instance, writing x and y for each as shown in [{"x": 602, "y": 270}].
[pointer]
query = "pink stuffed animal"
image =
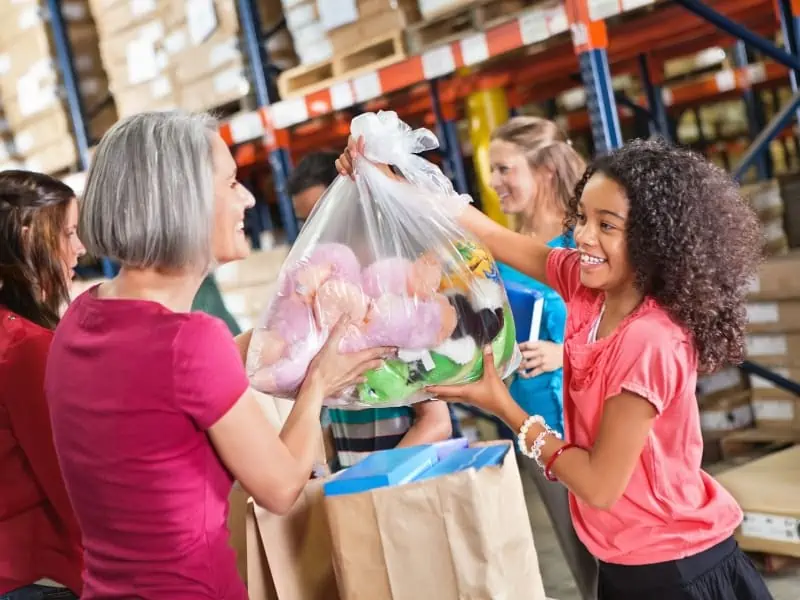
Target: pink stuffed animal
[
  {"x": 288, "y": 373},
  {"x": 326, "y": 261},
  {"x": 337, "y": 297},
  {"x": 400, "y": 276}
]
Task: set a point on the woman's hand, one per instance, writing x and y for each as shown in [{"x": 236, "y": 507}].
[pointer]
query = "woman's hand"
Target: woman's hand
[
  {"x": 540, "y": 357},
  {"x": 333, "y": 371},
  {"x": 489, "y": 394}
]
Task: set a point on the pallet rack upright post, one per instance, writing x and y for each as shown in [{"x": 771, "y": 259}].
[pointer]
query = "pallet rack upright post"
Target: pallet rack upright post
[
  {"x": 448, "y": 133},
  {"x": 659, "y": 121},
  {"x": 789, "y": 16},
  {"x": 77, "y": 113},
  {"x": 276, "y": 142},
  {"x": 590, "y": 41},
  {"x": 755, "y": 112}
]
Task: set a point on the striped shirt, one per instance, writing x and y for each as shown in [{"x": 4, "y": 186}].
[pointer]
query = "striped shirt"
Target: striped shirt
[{"x": 359, "y": 432}]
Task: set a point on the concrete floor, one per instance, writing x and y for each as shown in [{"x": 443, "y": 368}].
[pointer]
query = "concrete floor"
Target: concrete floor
[{"x": 558, "y": 581}]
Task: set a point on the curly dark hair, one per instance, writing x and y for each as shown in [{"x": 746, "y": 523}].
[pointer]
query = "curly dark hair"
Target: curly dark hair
[{"x": 694, "y": 243}]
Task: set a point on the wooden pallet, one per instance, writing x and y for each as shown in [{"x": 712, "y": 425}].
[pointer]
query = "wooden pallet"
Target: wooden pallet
[
  {"x": 745, "y": 445},
  {"x": 462, "y": 19},
  {"x": 373, "y": 54}
]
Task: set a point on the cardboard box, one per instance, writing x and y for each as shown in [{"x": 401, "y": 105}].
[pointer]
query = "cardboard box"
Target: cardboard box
[
  {"x": 765, "y": 198},
  {"x": 779, "y": 316},
  {"x": 126, "y": 15},
  {"x": 767, "y": 489},
  {"x": 207, "y": 58},
  {"x": 20, "y": 17},
  {"x": 203, "y": 18},
  {"x": 39, "y": 96},
  {"x": 724, "y": 382},
  {"x": 54, "y": 125},
  {"x": 778, "y": 411},
  {"x": 774, "y": 349},
  {"x": 138, "y": 48},
  {"x": 724, "y": 413},
  {"x": 37, "y": 46},
  {"x": 157, "y": 94},
  {"x": 347, "y": 37},
  {"x": 777, "y": 278},
  {"x": 227, "y": 85},
  {"x": 764, "y": 386}
]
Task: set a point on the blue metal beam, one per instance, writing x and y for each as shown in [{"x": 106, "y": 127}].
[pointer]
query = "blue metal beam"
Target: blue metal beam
[
  {"x": 449, "y": 143},
  {"x": 790, "y": 31},
  {"x": 761, "y": 44},
  {"x": 659, "y": 121},
  {"x": 600, "y": 101},
  {"x": 773, "y": 128},
  {"x": 77, "y": 114},
  {"x": 264, "y": 91},
  {"x": 755, "y": 113},
  {"x": 66, "y": 65},
  {"x": 777, "y": 380}
]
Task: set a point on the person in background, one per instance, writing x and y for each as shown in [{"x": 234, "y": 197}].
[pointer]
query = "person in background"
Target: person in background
[
  {"x": 209, "y": 300},
  {"x": 356, "y": 433},
  {"x": 152, "y": 414},
  {"x": 40, "y": 543},
  {"x": 309, "y": 180},
  {"x": 534, "y": 172}
]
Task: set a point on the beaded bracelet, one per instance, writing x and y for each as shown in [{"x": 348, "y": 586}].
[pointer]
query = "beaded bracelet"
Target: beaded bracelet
[{"x": 535, "y": 450}]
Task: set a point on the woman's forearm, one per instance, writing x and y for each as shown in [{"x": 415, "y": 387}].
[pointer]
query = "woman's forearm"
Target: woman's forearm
[
  {"x": 302, "y": 432},
  {"x": 243, "y": 343}
]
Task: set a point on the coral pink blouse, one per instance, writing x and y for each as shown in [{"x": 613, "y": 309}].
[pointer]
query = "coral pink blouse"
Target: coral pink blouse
[{"x": 671, "y": 508}]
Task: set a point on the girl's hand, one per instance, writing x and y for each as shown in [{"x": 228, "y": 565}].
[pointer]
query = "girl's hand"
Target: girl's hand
[
  {"x": 345, "y": 164},
  {"x": 334, "y": 371},
  {"x": 489, "y": 394},
  {"x": 540, "y": 357}
]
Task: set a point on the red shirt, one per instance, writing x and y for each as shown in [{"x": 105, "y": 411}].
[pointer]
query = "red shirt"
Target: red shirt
[
  {"x": 39, "y": 536},
  {"x": 671, "y": 508},
  {"x": 133, "y": 387}
]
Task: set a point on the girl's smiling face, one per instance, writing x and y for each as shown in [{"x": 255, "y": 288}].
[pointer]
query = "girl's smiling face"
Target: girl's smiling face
[{"x": 600, "y": 235}]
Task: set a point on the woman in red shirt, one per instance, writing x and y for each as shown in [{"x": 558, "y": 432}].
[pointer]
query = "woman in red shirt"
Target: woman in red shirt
[
  {"x": 40, "y": 543},
  {"x": 152, "y": 414}
]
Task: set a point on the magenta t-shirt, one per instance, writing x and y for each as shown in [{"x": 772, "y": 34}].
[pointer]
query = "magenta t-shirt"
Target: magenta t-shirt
[
  {"x": 132, "y": 389},
  {"x": 671, "y": 508}
]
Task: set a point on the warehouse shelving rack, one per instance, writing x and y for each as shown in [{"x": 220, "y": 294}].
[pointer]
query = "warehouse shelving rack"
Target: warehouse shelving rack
[{"x": 533, "y": 57}]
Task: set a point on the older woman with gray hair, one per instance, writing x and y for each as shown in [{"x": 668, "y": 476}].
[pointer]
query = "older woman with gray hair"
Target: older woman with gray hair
[{"x": 152, "y": 415}]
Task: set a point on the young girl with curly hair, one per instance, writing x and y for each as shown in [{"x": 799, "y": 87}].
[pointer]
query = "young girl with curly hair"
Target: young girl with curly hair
[{"x": 655, "y": 291}]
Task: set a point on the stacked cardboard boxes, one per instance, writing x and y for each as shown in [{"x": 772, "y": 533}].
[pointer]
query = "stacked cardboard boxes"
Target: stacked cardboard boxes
[
  {"x": 163, "y": 54},
  {"x": 766, "y": 199},
  {"x": 724, "y": 400},
  {"x": 309, "y": 34},
  {"x": 774, "y": 341},
  {"x": 30, "y": 85},
  {"x": 353, "y": 23},
  {"x": 790, "y": 192}
]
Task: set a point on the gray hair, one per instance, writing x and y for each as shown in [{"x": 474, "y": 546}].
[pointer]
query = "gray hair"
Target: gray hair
[{"x": 149, "y": 196}]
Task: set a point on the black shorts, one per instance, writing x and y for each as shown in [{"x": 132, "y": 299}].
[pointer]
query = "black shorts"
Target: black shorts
[{"x": 722, "y": 572}]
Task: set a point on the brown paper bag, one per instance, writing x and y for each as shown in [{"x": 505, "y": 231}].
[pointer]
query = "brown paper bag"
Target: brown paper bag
[
  {"x": 289, "y": 556},
  {"x": 465, "y": 536},
  {"x": 284, "y": 557}
]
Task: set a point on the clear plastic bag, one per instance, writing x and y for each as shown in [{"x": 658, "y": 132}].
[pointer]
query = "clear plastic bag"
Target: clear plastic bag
[{"x": 388, "y": 253}]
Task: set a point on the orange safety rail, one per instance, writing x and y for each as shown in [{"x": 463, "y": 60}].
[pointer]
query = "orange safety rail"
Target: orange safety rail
[{"x": 552, "y": 57}]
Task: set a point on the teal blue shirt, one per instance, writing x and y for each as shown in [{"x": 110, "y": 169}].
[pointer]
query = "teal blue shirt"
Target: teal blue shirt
[{"x": 542, "y": 395}]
